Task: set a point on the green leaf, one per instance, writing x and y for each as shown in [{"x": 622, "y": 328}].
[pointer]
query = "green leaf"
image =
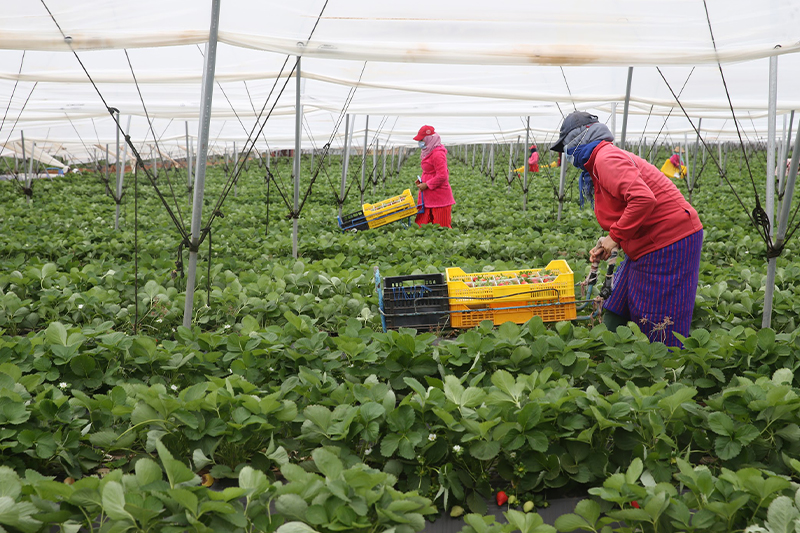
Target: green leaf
[
  {"x": 147, "y": 471},
  {"x": 82, "y": 365},
  {"x": 484, "y": 450},
  {"x": 296, "y": 527},
  {"x": 10, "y": 485},
  {"x": 766, "y": 339},
  {"x": 330, "y": 465},
  {"x": 56, "y": 334},
  {"x": 720, "y": 423},
  {"x": 634, "y": 471},
  {"x": 177, "y": 472},
  {"x": 571, "y": 522},
  {"x": 186, "y": 499},
  {"x": 781, "y": 515},
  {"x": 253, "y": 480},
  {"x": 291, "y": 505},
  {"x": 18, "y": 515},
  {"x": 114, "y": 502}
]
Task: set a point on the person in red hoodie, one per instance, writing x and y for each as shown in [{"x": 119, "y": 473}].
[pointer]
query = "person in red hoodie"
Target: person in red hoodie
[
  {"x": 434, "y": 184},
  {"x": 647, "y": 217}
]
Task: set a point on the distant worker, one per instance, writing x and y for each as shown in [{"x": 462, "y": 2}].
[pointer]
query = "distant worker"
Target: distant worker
[
  {"x": 647, "y": 217},
  {"x": 434, "y": 184},
  {"x": 533, "y": 160},
  {"x": 672, "y": 167}
]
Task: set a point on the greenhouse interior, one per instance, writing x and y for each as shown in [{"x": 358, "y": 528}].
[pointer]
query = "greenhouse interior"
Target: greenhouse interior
[{"x": 360, "y": 266}]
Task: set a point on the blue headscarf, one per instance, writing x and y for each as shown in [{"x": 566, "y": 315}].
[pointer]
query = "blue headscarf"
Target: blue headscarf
[
  {"x": 581, "y": 155},
  {"x": 588, "y": 139}
]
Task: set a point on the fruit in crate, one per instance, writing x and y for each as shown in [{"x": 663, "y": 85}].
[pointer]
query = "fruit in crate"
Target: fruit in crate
[{"x": 523, "y": 277}]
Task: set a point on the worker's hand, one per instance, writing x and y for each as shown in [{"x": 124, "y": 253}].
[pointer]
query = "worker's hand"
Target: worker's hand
[
  {"x": 603, "y": 250},
  {"x": 422, "y": 186}
]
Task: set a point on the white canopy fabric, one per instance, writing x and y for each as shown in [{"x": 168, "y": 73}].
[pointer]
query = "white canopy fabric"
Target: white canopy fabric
[{"x": 474, "y": 70}]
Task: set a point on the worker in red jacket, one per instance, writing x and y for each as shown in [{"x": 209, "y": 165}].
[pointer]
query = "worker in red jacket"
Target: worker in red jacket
[
  {"x": 434, "y": 184},
  {"x": 649, "y": 219}
]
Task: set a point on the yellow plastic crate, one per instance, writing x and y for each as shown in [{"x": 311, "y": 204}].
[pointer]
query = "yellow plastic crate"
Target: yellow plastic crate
[
  {"x": 500, "y": 302},
  {"x": 390, "y": 210}
]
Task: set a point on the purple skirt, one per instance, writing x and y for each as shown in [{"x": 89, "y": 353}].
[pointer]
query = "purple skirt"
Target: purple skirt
[{"x": 657, "y": 291}]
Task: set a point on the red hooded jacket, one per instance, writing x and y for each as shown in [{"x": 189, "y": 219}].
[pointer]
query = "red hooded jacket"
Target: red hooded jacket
[
  {"x": 436, "y": 175},
  {"x": 642, "y": 209}
]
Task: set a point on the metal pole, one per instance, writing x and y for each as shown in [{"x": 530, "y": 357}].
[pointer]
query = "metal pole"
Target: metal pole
[
  {"x": 121, "y": 172},
  {"x": 562, "y": 183},
  {"x": 510, "y": 165},
  {"x": 107, "y": 169},
  {"x": 383, "y": 174},
  {"x": 693, "y": 176},
  {"x": 188, "y": 159},
  {"x": 22, "y": 136},
  {"x": 783, "y": 221},
  {"x": 784, "y": 155},
  {"x": 298, "y": 127},
  {"x": 206, "y": 98},
  {"x": 491, "y": 161},
  {"x": 614, "y": 120},
  {"x": 29, "y": 181},
  {"x": 474, "y": 149},
  {"x": 345, "y": 161},
  {"x": 625, "y": 108},
  {"x": 364, "y": 157},
  {"x": 771, "y": 113},
  {"x": 374, "y": 176},
  {"x": 525, "y": 165},
  {"x": 483, "y": 156},
  {"x": 235, "y": 164}
]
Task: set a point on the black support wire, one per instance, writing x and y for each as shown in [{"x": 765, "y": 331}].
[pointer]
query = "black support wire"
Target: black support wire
[
  {"x": 650, "y": 152},
  {"x": 758, "y": 217},
  {"x": 158, "y": 148},
  {"x": 137, "y": 156}
]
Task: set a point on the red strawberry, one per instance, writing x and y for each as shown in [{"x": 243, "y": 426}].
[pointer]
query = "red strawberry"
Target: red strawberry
[
  {"x": 635, "y": 504},
  {"x": 502, "y": 498}
]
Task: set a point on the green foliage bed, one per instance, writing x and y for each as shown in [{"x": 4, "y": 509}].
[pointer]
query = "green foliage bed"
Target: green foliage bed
[{"x": 302, "y": 415}]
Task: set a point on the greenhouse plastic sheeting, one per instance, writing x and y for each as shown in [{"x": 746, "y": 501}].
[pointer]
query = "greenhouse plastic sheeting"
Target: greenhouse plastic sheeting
[{"x": 474, "y": 70}]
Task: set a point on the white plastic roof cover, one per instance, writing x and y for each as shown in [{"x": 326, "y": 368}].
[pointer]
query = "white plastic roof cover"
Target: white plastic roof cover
[{"x": 473, "y": 69}]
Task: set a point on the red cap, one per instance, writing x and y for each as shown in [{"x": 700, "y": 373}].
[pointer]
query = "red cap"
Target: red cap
[{"x": 424, "y": 131}]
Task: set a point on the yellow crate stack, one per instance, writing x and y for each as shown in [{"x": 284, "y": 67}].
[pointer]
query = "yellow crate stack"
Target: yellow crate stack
[
  {"x": 390, "y": 210},
  {"x": 506, "y": 303}
]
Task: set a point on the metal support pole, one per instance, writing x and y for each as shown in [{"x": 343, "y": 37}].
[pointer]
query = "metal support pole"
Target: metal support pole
[
  {"x": 491, "y": 162},
  {"x": 525, "y": 165},
  {"x": 625, "y": 108},
  {"x": 562, "y": 184},
  {"x": 483, "y": 156},
  {"x": 474, "y": 149},
  {"x": 782, "y": 170},
  {"x": 345, "y": 161},
  {"x": 29, "y": 181},
  {"x": 510, "y": 166},
  {"x": 188, "y": 160},
  {"x": 374, "y": 174},
  {"x": 121, "y": 171},
  {"x": 298, "y": 127},
  {"x": 614, "y": 121},
  {"x": 383, "y": 173},
  {"x": 235, "y": 164},
  {"x": 206, "y": 98},
  {"x": 771, "y": 113},
  {"x": 107, "y": 169},
  {"x": 364, "y": 157},
  {"x": 25, "y": 177},
  {"x": 696, "y": 152},
  {"x": 783, "y": 222}
]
